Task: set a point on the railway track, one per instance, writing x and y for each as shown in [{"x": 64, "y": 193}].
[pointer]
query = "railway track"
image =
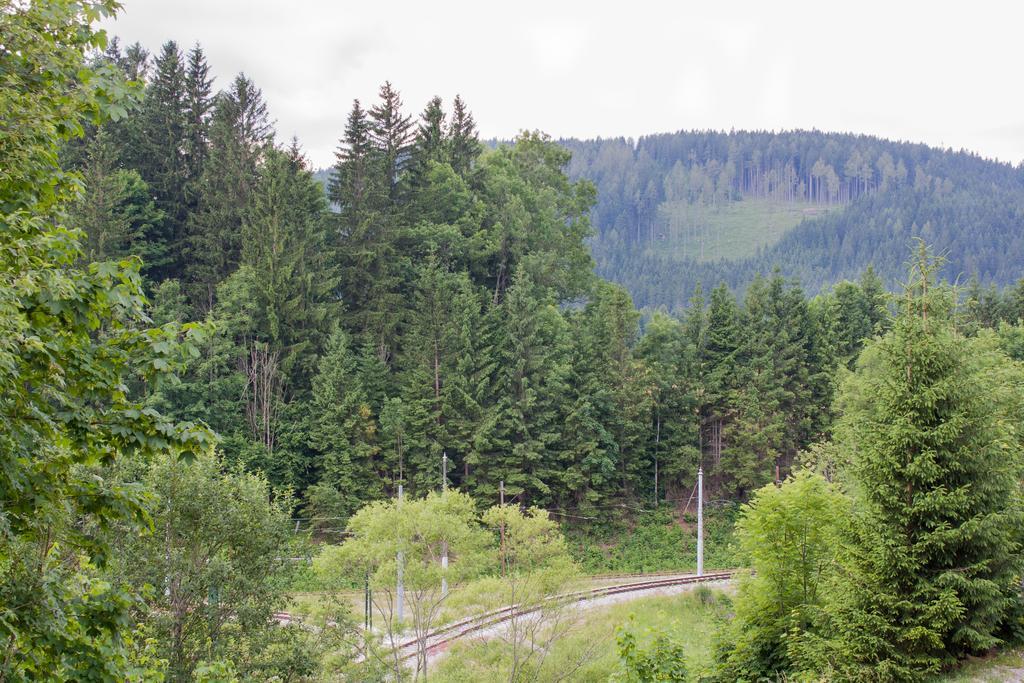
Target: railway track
[{"x": 440, "y": 638}]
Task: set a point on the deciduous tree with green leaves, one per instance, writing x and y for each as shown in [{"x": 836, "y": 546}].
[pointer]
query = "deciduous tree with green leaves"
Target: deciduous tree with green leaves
[
  {"x": 533, "y": 564},
  {"x": 788, "y": 532},
  {"x": 73, "y": 339},
  {"x": 421, "y": 530},
  {"x": 213, "y": 562}
]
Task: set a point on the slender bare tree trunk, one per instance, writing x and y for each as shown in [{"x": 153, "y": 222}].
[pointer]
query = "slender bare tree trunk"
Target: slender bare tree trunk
[{"x": 261, "y": 392}]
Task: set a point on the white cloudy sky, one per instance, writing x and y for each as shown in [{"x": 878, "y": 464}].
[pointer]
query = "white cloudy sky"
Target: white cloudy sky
[{"x": 945, "y": 73}]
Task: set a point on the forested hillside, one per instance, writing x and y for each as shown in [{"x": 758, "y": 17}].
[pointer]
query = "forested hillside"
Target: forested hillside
[
  {"x": 444, "y": 313},
  {"x": 677, "y": 209},
  {"x": 438, "y": 306},
  {"x": 216, "y": 365}
]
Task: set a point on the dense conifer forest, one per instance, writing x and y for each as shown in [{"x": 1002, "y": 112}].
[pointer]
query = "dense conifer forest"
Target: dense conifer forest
[
  {"x": 445, "y": 309},
  {"x": 227, "y": 379},
  {"x": 672, "y": 210}
]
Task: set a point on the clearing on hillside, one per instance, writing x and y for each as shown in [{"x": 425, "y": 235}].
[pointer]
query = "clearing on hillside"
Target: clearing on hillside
[{"x": 731, "y": 230}]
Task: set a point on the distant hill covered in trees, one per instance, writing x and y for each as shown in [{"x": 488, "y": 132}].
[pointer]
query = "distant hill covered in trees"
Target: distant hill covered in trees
[{"x": 678, "y": 209}]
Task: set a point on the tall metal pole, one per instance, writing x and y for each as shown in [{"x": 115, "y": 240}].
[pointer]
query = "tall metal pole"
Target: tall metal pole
[
  {"x": 501, "y": 500},
  {"x": 400, "y": 593},
  {"x": 700, "y": 521},
  {"x": 657, "y": 445},
  {"x": 444, "y": 545}
]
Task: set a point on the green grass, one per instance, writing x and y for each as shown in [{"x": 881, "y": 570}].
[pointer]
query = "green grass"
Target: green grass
[
  {"x": 690, "y": 619},
  {"x": 732, "y": 230},
  {"x": 1006, "y": 666}
]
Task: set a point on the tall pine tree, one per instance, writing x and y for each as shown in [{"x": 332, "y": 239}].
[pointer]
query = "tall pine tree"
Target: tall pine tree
[
  {"x": 239, "y": 133},
  {"x": 159, "y": 155},
  {"x": 931, "y": 560},
  {"x": 464, "y": 145}
]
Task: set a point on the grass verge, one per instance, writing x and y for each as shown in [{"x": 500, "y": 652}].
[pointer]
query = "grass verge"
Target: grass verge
[{"x": 589, "y": 650}]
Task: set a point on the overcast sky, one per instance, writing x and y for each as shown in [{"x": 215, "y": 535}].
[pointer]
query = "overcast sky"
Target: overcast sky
[{"x": 943, "y": 73}]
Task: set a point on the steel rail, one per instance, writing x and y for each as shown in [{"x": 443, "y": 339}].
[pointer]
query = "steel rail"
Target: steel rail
[{"x": 465, "y": 627}]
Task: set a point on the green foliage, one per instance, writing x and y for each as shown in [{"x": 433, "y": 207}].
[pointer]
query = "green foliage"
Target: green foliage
[
  {"x": 933, "y": 545},
  {"x": 532, "y": 564},
  {"x": 344, "y": 437},
  {"x": 653, "y": 541},
  {"x": 418, "y": 528},
  {"x": 525, "y": 386},
  {"x": 449, "y": 275},
  {"x": 115, "y": 209},
  {"x": 789, "y": 534},
  {"x": 212, "y": 562},
  {"x": 532, "y": 560},
  {"x": 671, "y": 357},
  {"x": 73, "y": 339},
  {"x": 821, "y": 206},
  {"x": 444, "y": 305},
  {"x": 413, "y": 534},
  {"x": 287, "y": 248},
  {"x": 661, "y": 660},
  {"x": 849, "y": 315},
  {"x": 239, "y": 135},
  {"x": 218, "y": 671}
]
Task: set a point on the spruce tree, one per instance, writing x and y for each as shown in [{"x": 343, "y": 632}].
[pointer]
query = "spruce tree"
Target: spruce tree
[
  {"x": 136, "y": 62},
  {"x": 877, "y": 299},
  {"x": 931, "y": 560},
  {"x": 239, "y": 133},
  {"x": 463, "y": 393},
  {"x": 370, "y": 225},
  {"x": 666, "y": 351},
  {"x": 429, "y": 147},
  {"x": 352, "y": 186},
  {"x": 286, "y": 246},
  {"x": 718, "y": 366},
  {"x": 116, "y": 209},
  {"x": 426, "y": 361},
  {"x": 464, "y": 146},
  {"x": 844, "y": 321},
  {"x": 429, "y": 144},
  {"x": 391, "y": 133},
  {"x": 133, "y": 61},
  {"x": 438, "y": 362},
  {"x": 523, "y": 423},
  {"x": 621, "y": 387},
  {"x": 159, "y": 156},
  {"x": 345, "y": 434},
  {"x": 695, "y": 323},
  {"x": 799, "y": 372},
  {"x": 198, "y": 105},
  {"x": 755, "y": 431}
]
